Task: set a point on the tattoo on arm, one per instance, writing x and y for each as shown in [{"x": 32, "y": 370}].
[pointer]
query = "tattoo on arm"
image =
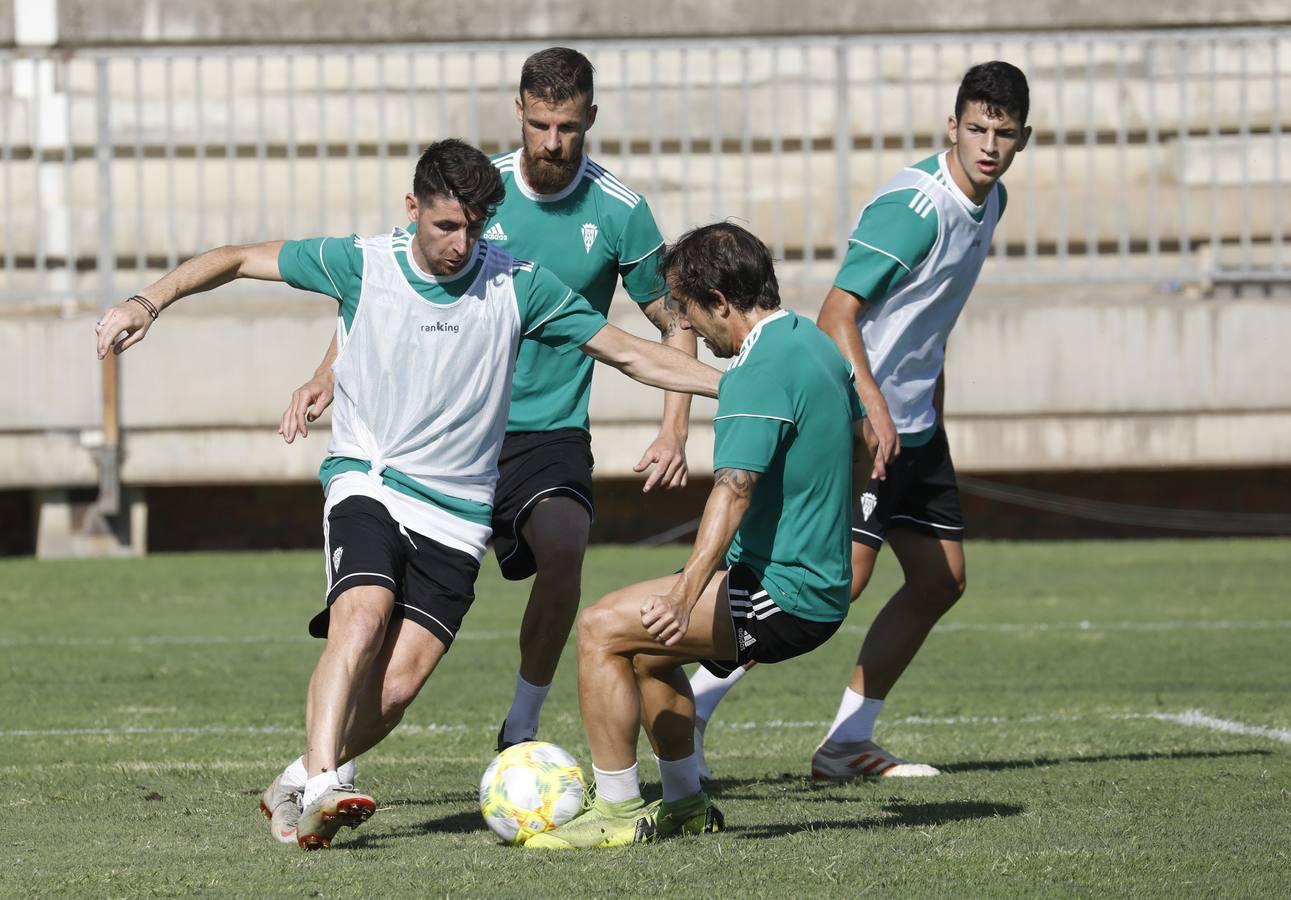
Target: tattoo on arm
[
  {"x": 738, "y": 481},
  {"x": 663, "y": 313}
]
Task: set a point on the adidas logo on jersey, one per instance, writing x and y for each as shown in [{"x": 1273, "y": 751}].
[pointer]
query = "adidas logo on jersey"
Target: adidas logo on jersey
[
  {"x": 868, "y": 502},
  {"x": 589, "y": 236},
  {"x": 495, "y": 233},
  {"x": 336, "y": 559}
]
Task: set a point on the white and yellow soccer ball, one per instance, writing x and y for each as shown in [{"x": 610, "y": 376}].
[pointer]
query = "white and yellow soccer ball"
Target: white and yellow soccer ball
[{"x": 530, "y": 788}]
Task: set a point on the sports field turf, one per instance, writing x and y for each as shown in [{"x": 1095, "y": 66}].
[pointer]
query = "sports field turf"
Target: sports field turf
[{"x": 1113, "y": 719}]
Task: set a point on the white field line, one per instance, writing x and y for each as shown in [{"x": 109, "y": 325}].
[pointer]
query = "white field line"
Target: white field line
[
  {"x": 1193, "y": 718},
  {"x": 162, "y": 640}
]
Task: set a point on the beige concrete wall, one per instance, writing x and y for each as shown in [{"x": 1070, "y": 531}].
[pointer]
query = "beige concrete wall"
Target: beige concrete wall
[
  {"x": 104, "y": 21},
  {"x": 1036, "y": 380}
]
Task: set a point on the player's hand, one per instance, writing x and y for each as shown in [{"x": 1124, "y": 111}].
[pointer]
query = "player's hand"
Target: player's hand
[
  {"x": 666, "y": 618},
  {"x": 307, "y": 403},
  {"x": 121, "y": 327},
  {"x": 668, "y": 456},
  {"x": 882, "y": 440}
]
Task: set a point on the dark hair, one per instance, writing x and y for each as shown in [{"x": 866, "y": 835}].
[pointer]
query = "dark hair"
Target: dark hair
[
  {"x": 999, "y": 86},
  {"x": 722, "y": 257},
  {"x": 557, "y": 74},
  {"x": 453, "y": 168}
]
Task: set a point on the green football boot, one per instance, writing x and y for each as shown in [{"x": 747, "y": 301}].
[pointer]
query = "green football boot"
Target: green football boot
[
  {"x": 605, "y": 824},
  {"x": 695, "y": 814}
]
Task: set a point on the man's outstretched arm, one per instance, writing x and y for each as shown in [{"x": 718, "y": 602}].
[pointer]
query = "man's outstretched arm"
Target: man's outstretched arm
[
  {"x": 667, "y": 453},
  {"x": 667, "y": 616},
  {"x": 126, "y": 324},
  {"x": 653, "y": 364}
]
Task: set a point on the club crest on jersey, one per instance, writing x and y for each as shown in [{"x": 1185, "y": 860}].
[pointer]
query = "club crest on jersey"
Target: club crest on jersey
[
  {"x": 589, "y": 236},
  {"x": 868, "y": 502},
  {"x": 336, "y": 559}
]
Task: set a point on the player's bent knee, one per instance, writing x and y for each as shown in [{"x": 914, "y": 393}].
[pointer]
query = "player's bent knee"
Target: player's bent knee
[{"x": 560, "y": 558}]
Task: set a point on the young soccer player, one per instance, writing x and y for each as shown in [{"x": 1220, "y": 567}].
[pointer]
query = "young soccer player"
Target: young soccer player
[
  {"x": 430, "y": 321},
  {"x": 911, "y": 264},
  {"x": 767, "y": 579},
  {"x": 576, "y": 219}
]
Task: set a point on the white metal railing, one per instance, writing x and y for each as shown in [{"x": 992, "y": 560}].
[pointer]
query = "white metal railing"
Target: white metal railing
[{"x": 1158, "y": 155}]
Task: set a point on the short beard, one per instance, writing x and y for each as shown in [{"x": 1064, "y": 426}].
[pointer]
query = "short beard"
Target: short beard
[{"x": 549, "y": 176}]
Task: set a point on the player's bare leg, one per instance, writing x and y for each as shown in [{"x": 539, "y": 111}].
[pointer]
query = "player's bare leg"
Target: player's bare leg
[
  {"x": 356, "y": 633},
  {"x": 408, "y": 657},
  {"x": 934, "y": 580},
  {"x": 616, "y": 697},
  {"x": 556, "y": 532}
]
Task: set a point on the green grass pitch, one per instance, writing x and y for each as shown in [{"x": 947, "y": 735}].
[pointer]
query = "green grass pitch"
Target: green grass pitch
[{"x": 1113, "y": 719}]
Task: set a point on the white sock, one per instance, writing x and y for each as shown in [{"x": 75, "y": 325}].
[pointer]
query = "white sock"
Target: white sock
[
  {"x": 526, "y": 708},
  {"x": 317, "y": 786},
  {"x": 614, "y": 787},
  {"x": 709, "y": 690},
  {"x": 293, "y": 777},
  {"x": 680, "y": 777},
  {"x": 855, "y": 718}
]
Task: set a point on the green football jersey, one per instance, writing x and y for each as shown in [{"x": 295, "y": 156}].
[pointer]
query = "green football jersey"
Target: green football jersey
[
  {"x": 785, "y": 409},
  {"x": 590, "y": 235}
]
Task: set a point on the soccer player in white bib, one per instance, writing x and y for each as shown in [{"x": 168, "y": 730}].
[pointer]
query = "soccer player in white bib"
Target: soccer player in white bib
[
  {"x": 576, "y": 219},
  {"x": 768, "y": 577},
  {"x": 429, "y": 324},
  {"x": 911, "y": 263}
]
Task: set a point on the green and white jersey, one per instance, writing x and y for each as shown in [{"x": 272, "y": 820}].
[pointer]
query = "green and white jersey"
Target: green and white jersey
[
  {"x": 423, "y": 372},
  {"x": 785, "y": 408},
  {"x": 590, "y": 234},
  {"x": 914, "y": 257}
]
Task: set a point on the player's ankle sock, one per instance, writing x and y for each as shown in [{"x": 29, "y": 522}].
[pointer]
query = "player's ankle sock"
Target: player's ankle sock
[
  {"x": 855, "y": 718},
  {"x": 293, "y": 777},
  {"x": 526, "y": 708},
  {"x": 709, "y": 690},
  {"x": 680, "y": 777},
  {"x": 616, "y": 787},
  {"x": 318, "y": 786}
]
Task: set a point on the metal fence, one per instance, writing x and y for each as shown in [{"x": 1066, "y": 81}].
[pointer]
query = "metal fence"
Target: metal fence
[{"x": 1158, "y": 156}]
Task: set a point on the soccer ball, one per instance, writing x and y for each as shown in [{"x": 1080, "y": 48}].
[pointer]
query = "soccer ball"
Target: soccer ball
[{"x": 530, "y": 788}]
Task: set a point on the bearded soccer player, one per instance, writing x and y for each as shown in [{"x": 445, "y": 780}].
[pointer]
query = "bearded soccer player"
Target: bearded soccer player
[
  {"x": 767, "y": 579},
  {"x": 429, "y": 323},
  {"x": 576, "y": 219},
  {"x": 912, "y": 262}
]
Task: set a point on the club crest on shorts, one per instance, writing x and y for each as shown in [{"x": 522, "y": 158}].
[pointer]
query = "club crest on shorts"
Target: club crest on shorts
[
  {"x": 336, "y": 559},
  {"x": 589, "y": 236},
  {"x": 868, "y": 502}
]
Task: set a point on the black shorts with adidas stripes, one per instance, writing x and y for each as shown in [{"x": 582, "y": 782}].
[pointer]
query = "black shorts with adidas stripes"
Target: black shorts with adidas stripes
[
  {"x": 433, "y": 585},
  {"x": 764, "y": 632},
  {"x": 920, "y": 493}
]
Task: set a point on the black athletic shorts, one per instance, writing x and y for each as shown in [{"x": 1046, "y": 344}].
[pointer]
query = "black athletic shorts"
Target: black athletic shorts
[
  {"x": 534, "y": 466},
  {"x": 764, "y": 632},
  {"x": 920, "y": 493},
  {"x": 433, "y": 585}
]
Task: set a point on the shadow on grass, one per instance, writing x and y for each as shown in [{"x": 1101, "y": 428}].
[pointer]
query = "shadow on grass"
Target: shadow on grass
[
  {"x": 895, "y": 814},
  {"x": 1003, "y": 765},
  {"x": 727, "y": 787}
]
